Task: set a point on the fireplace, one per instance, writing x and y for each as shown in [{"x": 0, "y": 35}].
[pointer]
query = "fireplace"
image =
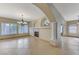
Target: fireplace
[{"x": 36, "y": 33}]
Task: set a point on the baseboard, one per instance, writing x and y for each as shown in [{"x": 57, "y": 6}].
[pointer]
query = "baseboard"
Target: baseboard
[{"x": 11, "y": 37}]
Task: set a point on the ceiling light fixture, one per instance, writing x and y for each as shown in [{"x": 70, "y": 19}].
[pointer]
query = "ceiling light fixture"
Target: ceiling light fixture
[{"x": 22, "y": 22}]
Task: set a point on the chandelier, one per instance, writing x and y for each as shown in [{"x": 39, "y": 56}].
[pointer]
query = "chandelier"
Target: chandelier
[{"x": 22, "y": 22}]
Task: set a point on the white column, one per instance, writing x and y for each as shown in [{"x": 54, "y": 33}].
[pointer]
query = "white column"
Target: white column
[{"x": 53, "y": 33}]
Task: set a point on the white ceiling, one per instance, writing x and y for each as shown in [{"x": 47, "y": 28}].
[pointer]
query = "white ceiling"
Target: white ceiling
[
  {"x": 30, "y": 11},
  {"x": 70, "y": 11}
]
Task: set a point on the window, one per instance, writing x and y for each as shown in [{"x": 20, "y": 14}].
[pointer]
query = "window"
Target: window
[
  {"x": 8, "y": 28},
  {"x": 5, "y": 29},
  {"x": 13, "y": 29},
  {"x": 23, "y": 28},
  {"x": 73, "y": 28}
]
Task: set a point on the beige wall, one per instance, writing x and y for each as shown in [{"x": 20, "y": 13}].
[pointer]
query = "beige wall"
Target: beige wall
[
  {"x": 65, "y": 29},
  {"x": 3, "y": 19}
]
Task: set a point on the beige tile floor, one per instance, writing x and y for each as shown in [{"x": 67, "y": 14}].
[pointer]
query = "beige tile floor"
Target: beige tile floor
[{"x": 27, "y": 46}]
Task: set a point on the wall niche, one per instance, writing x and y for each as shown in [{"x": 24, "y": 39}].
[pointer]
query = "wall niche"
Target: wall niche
[{"x": 45, "y": 22}]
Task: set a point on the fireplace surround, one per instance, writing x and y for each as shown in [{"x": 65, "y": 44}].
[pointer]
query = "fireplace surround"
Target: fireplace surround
[{"x": 36, "y": 33}]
